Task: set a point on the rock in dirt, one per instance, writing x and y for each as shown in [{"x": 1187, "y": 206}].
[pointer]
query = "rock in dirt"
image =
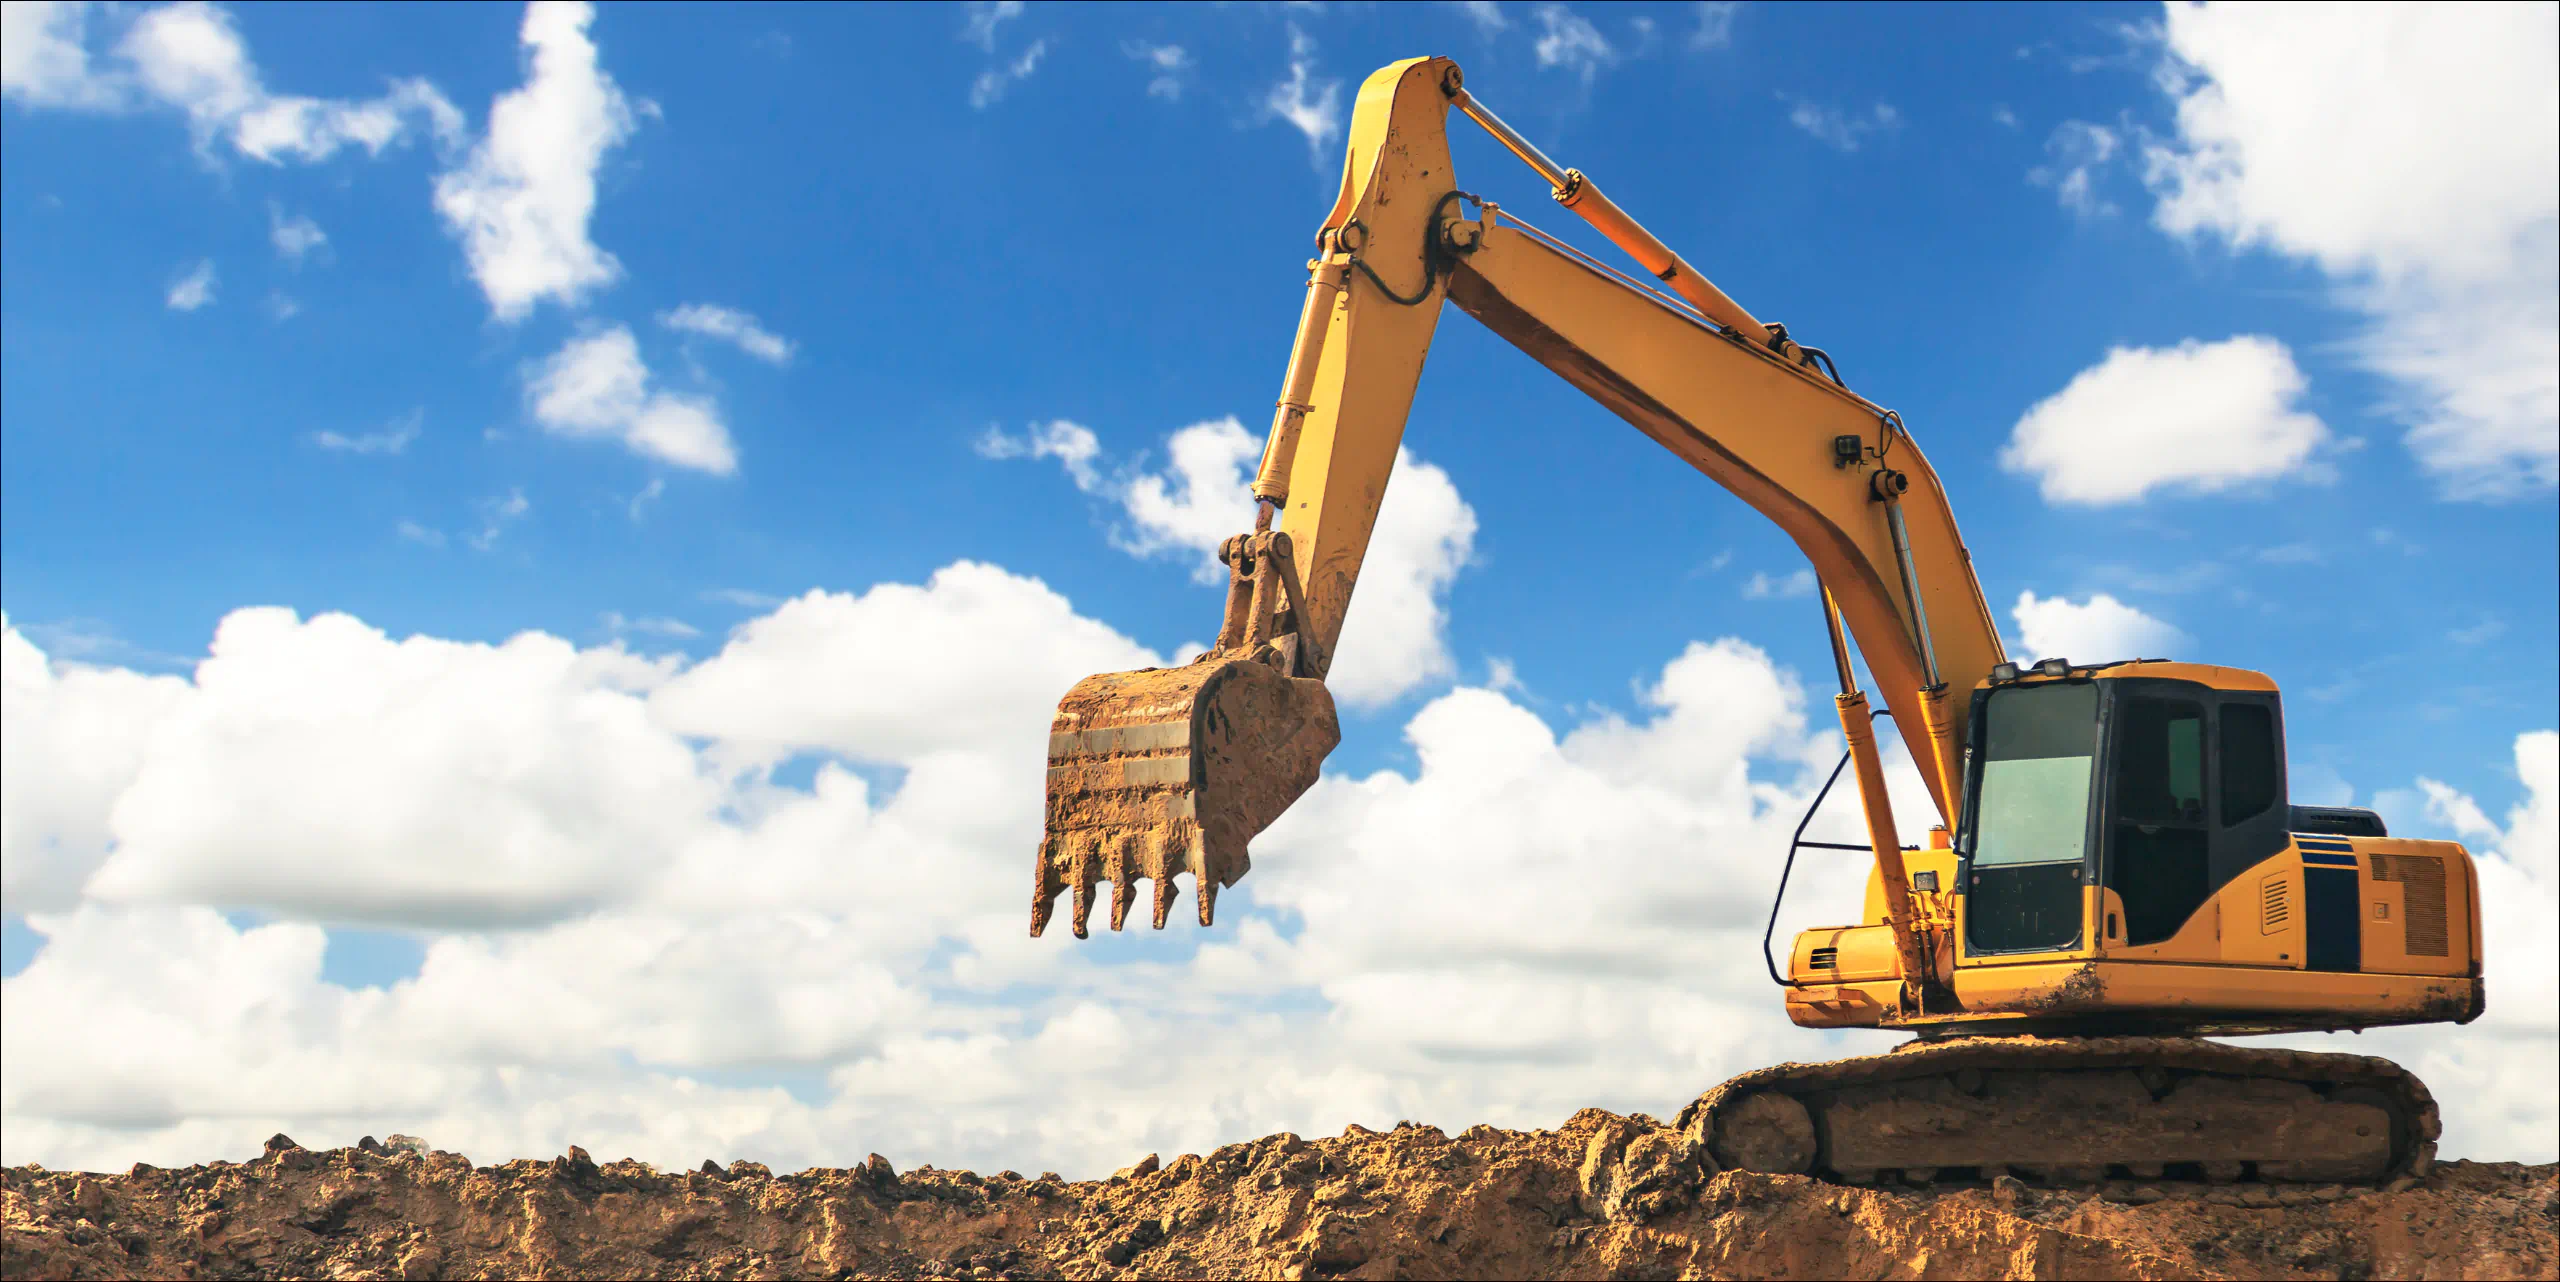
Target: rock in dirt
[{"x": 1601, "y": 1196}]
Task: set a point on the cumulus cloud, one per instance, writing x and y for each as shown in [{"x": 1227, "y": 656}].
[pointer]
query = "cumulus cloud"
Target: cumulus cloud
[
  {"x": 194, "y": 289},
  {"x": 627, "y": 921},
  {"x": 521, "y": 201},
  {"x": 2198, "y": 417},
  {"x": 731, "y": 326},
  {"x": 1568, "y": 40},
  {"x": 2101, "y": 629},
  {"x": 1842, "y": 130},
  {"x": 1395, "y": 638},
  {"x": 189, "y": 56},
  {"x": 711, "y": 920},
  {"x": 597, "y": 386},
  {"x": 1310, "y": 106},
  {"x": 2311, "y": 134},
  {"x": 44, "y": 58}
]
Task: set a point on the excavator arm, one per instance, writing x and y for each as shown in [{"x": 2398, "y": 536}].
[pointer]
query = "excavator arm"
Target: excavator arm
[{"x": 1167, "y": 771}]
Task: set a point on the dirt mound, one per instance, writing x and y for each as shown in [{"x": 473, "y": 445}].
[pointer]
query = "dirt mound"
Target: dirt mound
[{"x": 1602, "y": 1196}]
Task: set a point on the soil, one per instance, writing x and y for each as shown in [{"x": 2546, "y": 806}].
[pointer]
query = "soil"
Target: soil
[{"x": 1600, "y": 1197}]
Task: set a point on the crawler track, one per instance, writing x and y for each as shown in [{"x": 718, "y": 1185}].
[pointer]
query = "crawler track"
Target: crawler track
[{"x": 2075, "y": 1110}]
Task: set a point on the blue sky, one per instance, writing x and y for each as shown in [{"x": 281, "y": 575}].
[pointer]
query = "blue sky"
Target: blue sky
[{"x": 239, "y": 372}]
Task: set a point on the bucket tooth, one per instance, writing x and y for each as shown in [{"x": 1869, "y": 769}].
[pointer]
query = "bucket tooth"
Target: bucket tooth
[
  {"x": 1045, "y": 885},
  {"x": 1123, "y": 871},
  {"x": 1081, "y": 881},
  {"x": 1165, "y": 891}
]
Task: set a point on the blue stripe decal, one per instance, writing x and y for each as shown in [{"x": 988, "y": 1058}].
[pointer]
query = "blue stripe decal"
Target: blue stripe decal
[
  {"x": 2321, "y": 843},
  {"x": 2317, "y": 859}
]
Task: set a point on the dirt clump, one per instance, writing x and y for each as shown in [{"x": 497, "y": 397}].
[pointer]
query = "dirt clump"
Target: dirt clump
[{"x": 1602, "y": 1196}]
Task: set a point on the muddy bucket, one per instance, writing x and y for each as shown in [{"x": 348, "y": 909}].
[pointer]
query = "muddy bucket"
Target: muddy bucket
[{"x": 1165, "y": 771}]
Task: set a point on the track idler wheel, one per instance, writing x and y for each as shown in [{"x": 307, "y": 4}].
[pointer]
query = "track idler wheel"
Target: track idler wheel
[{"x": 1765, "y": 1132}]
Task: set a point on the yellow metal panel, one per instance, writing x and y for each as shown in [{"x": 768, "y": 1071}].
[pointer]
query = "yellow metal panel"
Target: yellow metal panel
[
  {"x": 1396, "y": 172},
  {"x": 1763, "y": 429}
]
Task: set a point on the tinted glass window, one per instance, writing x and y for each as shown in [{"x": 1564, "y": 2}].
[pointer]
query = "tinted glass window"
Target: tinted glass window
[
  {"x": 2032, "y": 795},
  {"x": 2158, "y": 864},
  {"x": 2248, "y": 761},
  {"x": 2160, "y": 761}
]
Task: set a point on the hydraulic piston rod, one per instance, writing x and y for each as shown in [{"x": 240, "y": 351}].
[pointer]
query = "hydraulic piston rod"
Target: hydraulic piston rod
[{"x": 1575, "y": 191}]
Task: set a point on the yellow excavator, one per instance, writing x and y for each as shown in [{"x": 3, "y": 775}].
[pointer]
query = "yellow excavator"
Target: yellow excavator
[{"x": 2117, "y": 870}]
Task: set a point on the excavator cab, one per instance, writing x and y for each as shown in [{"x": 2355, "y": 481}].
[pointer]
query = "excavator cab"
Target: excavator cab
[
  {"x": 2157, "y": 789},
  {"x": 2125, "y": 857}
]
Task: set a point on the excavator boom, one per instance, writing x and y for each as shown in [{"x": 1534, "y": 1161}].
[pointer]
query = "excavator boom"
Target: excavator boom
[{"x": 1133, "y": 791}]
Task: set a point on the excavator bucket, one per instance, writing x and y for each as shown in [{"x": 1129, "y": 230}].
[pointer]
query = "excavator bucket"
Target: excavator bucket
[{"x": 1165, "y": 771}]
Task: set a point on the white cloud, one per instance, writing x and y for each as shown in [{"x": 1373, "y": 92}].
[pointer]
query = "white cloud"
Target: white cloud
[
  {"x": 282, "y": 307},
  {"x": 2079, "y": 151},
  {"x": 656, "y": 626},
  {"x": 596, "y": 386},
  {"x": 2003, "y": 117},
  {"x": 1073, "y": 445},
  {"x": 392, "y": 439},
  {"x": 1568, "y": 40},
  {"x": 520, "y": 203},
  {"x": 1165, "y": 65},
  {"x": 190, "y": 57},
  {"x": 1312, "y": 108},
  {"x": 1486, "y": 14},
  {"x": 295, "y": 237},
  {"x": 1763, "y": 588},
  {"x": 194, "y": 289},
  {"x": 990, "y": 86},
  {"x": 74, "y": 736},
  {"x": 609, "y": 893},
  {"x": 44, "y": 60},
  {"x": 730, "y": 325},
  {"x": 1844, "y": 130},
  {"x": 1395, "y": 638},
  {"x": 497, "y": 512},
  {"x": 2315, "y": 135},
  {"x": 971, "y": 663},
  {"x": 1715, "y": 24},
  {"x": 742, "y": 598},
  {"x": 2101, "y": 629},
  {"x": 412, "y": 532},
  {"x": 639, "y": 505},
  {"x": 2198, "y": 417},
  {"x": 984, "y": 18},
  {"x": 619, "y": 905}
]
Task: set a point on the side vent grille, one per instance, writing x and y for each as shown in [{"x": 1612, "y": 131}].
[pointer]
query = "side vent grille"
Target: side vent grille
[
  {"x": 2421, "y": 879},
  {"x": 1828, "y": 959},
  {"x": 2275, "y": 905}
]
